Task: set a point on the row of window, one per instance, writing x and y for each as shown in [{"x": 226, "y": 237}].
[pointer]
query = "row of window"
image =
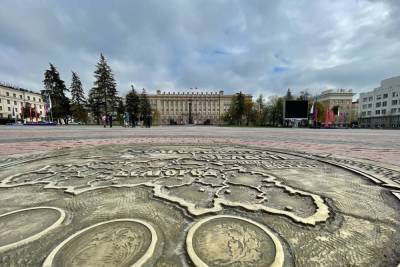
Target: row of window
[
  {"x": 209, "y": 102},
  {"x": 381, "y": 104},
  {"x": 381, "y": 112},
  {"x": 20, "y": 97},
  {"x": 379, "y": 97},
  {"x": 22, "y": 103},
  {"x": 194, "y": 110},
  {"x": 9, "y": 109},
  {"x": 378, "y": 104},
  {"x": 341, "y": 102},
  {"x": 203, "y": 113},
  {"x": 173, "y": 103}
]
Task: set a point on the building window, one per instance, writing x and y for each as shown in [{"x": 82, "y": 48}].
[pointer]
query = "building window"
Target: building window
[
  {"x": 377, "y": 112},
  {"x": 384, "y": 103},
  {"x": 395, "y": 94},
  {"x": 14, "y": 95},
  {"x": 378, "y": 97},
  {"x": 40, "y": 100},
  {"x": 34, "y": 98},
  {"x": 20, "y": 96},
  {"x": 378, "y": 104},
  {"x": 369, "y": 112},
  {"x": 8, "y": 101},
  {"x": 370, "y": 98},
  {"x": 394, "y": 102},
  {"x": 29, "y": 98},
  {"x": 7, "y": 93},
  {"x": 15, "y": 103},
  {"x": 1, "y": 108},
  {"x": 385, "y": 96},
  {"x": 393, "y": 110},
  {"x": 9, "y": 109},
  {"x": 363, "y": 113},
  {"x": 370, "y": 105},
  {"x": 364, "y": 106},
  {"x": 383, "y": 111}
]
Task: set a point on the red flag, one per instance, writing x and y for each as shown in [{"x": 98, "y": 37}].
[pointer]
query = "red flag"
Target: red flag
[
  {"x": 332, "y": 117},
  {"x": 315, "y": 113},
  {"x": 326, "y": 119}
]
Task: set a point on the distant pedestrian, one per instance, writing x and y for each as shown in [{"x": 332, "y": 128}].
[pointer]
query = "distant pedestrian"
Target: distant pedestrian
[
  {"x": 104, "y": 119},
  {"x": 150, "y": 120},
  {"x": 126, "y": 119},
  {"x": 110, "y": 120}
]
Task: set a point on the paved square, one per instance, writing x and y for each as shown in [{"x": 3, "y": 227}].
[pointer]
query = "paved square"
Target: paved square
[{"x": 204, "y": 196}]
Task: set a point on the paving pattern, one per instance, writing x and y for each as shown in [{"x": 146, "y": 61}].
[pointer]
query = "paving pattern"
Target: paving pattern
[
  {"x": 376, "y": 145},
  {"x": 109, "y": 198}
]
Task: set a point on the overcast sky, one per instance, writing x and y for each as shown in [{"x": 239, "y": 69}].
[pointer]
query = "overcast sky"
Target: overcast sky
[{"x": 253, "y": 46}]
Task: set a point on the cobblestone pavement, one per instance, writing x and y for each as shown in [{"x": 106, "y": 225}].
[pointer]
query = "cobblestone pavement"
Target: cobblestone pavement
[
  {"x": 377, "y": 145},
  {"x": 199, "y": 196}
]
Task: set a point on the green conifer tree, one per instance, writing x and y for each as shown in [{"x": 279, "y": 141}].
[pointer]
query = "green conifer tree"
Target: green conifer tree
[
  {"x": 105, "y": 87},
  {"x": 56, "y": 88},
  {"x": 78, "y": 100}
]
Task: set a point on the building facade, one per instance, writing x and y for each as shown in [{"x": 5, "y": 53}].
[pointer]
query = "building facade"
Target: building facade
[
  {"x": 380, "y": 108},
  {"x": 190, "y": 107},
  {"x": 340, "y": 101},
  {"x": 12, "y": 99}
]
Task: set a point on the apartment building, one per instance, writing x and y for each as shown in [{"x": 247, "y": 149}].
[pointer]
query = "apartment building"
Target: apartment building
[{"x": 380, "y": 108}]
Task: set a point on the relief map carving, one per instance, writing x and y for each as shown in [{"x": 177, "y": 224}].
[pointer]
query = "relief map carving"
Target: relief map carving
[{"x": 197, "y": 205}]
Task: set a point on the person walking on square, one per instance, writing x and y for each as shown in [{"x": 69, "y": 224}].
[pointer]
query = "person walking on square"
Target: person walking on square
[
  {"x": 104, "y": 119},
  {"x": 126, "y": 119},
  {"x": 110, "y": 120}
]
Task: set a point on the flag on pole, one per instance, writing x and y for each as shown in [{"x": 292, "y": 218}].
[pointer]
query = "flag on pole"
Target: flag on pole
[
  {"x": 50, "y": 105},
  {"x": 315, "y": 114},
  {"x": 326, "y": 119},
  {"x": 332, "y": 117}
]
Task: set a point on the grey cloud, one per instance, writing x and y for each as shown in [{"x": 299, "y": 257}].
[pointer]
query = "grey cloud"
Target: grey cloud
[{"x": 253, "y": 46}]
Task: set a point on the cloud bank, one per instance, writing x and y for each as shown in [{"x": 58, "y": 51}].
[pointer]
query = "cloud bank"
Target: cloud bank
[{"x": 252, "y": 46}]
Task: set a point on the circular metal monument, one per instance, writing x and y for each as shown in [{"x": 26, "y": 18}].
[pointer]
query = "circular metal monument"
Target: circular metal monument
[{"x": 197, "y": 205}]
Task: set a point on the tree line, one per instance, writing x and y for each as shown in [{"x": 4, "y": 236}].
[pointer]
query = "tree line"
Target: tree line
[
  {"x": 102, "y": 99},
  {"x": 243, "y": 111}
]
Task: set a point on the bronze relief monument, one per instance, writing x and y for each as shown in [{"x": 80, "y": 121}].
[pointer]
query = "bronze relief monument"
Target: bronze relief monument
[{"x": 197, "y": 205}]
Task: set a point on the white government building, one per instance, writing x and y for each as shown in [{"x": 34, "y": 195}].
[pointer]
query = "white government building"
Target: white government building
[
  {"x": 190, "y": 107},
  {"x": 380, "y": 108},
  {"x": 13, "y": 98}
]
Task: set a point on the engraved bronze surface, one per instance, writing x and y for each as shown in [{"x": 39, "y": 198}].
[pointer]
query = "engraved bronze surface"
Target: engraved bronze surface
[{"x": 220, "y": 205}]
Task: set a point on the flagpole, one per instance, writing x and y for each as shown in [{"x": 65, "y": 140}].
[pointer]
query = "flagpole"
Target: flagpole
[
  {"x": 16, "y": 116},
  {"x": 51, "y": 107}
]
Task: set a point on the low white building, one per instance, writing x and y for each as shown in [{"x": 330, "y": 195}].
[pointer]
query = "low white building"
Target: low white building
[
  {"x": 12, "y": 99},
  {"x": 380, "y": 108}
]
